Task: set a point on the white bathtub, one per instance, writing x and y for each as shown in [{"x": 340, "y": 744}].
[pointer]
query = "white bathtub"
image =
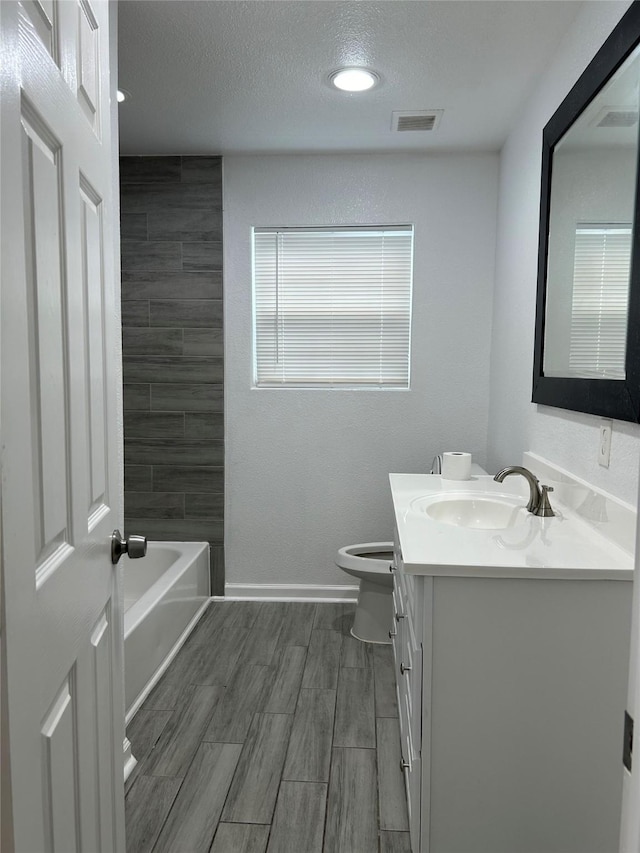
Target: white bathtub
[{"x": 164, "y": 596}]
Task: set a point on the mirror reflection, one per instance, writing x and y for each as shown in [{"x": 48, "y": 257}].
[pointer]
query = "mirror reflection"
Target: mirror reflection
[{"x": 589, "y": 239}]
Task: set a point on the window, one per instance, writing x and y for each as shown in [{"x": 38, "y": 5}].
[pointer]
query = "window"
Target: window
[
  {"x": 602, "y": 263},
  {"x": 332, "y": 306}
]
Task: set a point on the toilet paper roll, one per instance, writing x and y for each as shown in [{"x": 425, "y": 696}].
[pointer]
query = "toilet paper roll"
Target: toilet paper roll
[{"x": 456, "y": 465}]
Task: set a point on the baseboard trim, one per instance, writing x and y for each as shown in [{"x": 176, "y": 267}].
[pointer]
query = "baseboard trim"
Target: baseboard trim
[
  {"x": 129, "y": 760},
  {"x": 289, "y": 592}
]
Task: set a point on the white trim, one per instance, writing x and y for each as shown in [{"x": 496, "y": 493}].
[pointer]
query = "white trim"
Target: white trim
[
  {"x": 288, "y": 592},
  {"x": 130, "y": 760}
]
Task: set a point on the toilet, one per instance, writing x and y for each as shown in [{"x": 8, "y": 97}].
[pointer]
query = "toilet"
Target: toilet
[{"x": 370, "y": 562}]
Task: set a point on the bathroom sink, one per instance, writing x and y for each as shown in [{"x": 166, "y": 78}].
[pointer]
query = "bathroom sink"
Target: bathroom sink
[{"x": 475, "y": 511}]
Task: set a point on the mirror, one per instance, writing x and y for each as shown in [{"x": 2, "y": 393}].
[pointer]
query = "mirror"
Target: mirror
[{"x": 587, "y": 350}]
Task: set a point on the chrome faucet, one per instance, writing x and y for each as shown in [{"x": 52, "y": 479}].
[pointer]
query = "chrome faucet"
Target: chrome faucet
[{"x": 538, "y": 495}]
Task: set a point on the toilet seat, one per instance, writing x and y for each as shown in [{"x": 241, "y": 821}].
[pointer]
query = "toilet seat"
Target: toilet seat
[
  {"x": 370, "y": 562},
  {"x": 365, "y": 559}
]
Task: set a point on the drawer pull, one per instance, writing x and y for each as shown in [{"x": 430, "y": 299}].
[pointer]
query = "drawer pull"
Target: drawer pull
[
  {"x": 400, "y": 616},
  {"x": 392, "y": 568},
  {"x": 404, "y": 668},
  {"x": 392, "y": 634},
  {"x": 404, "y": 765}
]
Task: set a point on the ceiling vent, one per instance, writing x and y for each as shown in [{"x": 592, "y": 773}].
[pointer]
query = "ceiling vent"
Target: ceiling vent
[
  {"x": 415, "y": 120},
  {"x": 616, "y": 117}
]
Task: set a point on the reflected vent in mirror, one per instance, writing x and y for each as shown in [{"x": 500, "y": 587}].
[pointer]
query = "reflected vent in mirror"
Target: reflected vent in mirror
[{"x": 415, "y": 120}]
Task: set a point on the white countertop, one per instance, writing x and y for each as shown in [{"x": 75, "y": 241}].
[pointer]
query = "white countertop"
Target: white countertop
[{"x": 563, "y": 547}]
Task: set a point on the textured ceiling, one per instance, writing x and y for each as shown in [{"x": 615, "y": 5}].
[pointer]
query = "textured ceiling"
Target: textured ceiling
[{"x": 217, "y": 77}]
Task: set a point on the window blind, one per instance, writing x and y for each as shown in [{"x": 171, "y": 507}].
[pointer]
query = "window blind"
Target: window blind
[
  {"x": 332, "y": 306},
  {"x": 602, "y": 264}
]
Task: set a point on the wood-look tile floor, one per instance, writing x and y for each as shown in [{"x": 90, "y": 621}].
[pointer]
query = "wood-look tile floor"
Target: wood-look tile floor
[{"x": 272, "y": 731}]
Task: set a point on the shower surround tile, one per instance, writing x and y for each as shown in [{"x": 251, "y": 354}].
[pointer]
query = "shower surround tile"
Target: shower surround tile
[
  {"x": 160, "y": 368},
  {"x": 141, "y": 284},
  {"x": 174, "y": 451},
  {"x": 204, "y": 425},
  {"x": 152, "y": 341},
  {"x": 154, "y": 424},
  {"x": 186, "y": 312},
  {"x": 139, "y": 255},
  {"x": 188, "y": 397},
  {"x": 172, "y": 314},
  {"x": 135, "y": 312},
  {"x": 185, "y": 225},
  {"x": 202, "y": 256},
  {"x": 204, "y": 342}
]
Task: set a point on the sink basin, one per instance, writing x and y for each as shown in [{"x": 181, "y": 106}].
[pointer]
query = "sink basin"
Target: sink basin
[{"x": 475, "y": 511}]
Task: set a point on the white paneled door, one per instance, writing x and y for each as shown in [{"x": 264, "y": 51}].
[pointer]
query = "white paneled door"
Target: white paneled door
[{"x": 62, "y": 725}]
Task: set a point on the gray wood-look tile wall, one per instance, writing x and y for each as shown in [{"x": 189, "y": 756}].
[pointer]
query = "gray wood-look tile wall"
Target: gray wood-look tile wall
[{"x": 172, "y": 339}]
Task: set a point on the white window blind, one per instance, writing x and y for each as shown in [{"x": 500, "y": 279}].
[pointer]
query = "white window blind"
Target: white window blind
[
  {"x": 602, "y": 264},
  {"x": 332, "y": 306}
]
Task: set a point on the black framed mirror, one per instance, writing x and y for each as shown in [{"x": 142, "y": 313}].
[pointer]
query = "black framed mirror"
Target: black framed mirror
[{"x": 587, "y": 335}]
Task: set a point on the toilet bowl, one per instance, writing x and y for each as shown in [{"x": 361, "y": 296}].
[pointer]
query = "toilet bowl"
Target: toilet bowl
[{"x": 369, "y": 562}]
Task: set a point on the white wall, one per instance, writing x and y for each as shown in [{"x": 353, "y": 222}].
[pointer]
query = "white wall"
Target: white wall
[
  {"x": 515, "y": 424},
  {"x": 307, "y": 469}
]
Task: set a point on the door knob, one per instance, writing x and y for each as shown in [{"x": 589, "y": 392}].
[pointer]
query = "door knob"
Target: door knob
[{"x": 134, "y": 546}]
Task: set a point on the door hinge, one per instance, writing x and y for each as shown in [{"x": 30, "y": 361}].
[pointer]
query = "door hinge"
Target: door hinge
[{"x": 627, "y": 748}]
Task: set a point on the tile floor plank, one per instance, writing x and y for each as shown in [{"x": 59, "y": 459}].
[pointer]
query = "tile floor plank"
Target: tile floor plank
[
  {"x": 145, "y": 729},
  {"x": 254, "y": 789},
  {"x": 241, "y": 838},
  {"x": 330, "y": 616},
  {"x": 384, "y": 682},
  {"x": 355, "y": 653},
  {"x": 355, "y": 724},
  {"x": 352, "y": 825},
  {"x": 196, "y": 810},
  {"x": 214, "y": 662},
  {"x": 143, "y": 732},
  {"x": 260, "y": 645},
  {"x": 323, "y": 660},
  {"x": 309, "y": 754},
  {"x": 180, "y": 739},
  {"x": 240, "y": 614},
  {"x": 298, "y": 623},
  {"x": 298, "y": 822},
  {"x": 392, "y": 803},
  {"x": 237, "y": 680},
  {"x": 395, "y": 842},
  {"x": 146, "y": 807},
  {"x": 289, "y": 664},
  {"x": 164, "y": 696},
  {"x": 243, "y": 698}
]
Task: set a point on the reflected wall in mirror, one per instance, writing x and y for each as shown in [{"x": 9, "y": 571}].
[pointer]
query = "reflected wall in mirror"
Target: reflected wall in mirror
[{"x": 587, "y": 354}]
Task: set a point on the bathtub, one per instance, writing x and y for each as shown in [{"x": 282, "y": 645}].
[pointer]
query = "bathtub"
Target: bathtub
[{"x": 164, "y": 596}]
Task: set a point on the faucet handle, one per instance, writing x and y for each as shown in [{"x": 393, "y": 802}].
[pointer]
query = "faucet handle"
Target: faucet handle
[{"x": 544, "y": 509}]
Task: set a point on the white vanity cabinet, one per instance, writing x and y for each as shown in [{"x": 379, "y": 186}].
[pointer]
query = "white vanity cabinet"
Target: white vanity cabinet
[
  {"x": 511, "y": 685},
  {"x": 408, "y": 643},
  {"x": 511, "y": 698}
]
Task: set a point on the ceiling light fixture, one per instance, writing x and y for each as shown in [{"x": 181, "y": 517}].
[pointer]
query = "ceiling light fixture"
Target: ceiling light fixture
[{"x": 354, "y": 79}]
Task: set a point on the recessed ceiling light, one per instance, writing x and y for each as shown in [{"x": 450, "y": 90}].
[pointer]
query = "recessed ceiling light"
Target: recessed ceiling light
[
  {"x": 354, "y": 79},
  {"x": 122, "y": 95}
]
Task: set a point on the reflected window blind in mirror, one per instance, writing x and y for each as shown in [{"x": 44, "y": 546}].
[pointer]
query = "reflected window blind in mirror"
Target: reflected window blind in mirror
[
  {"x": 600, "y": 299},
  {"x": 332, "y": 306}
]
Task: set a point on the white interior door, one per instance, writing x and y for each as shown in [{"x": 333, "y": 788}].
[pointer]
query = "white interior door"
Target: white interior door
[{"x": 61, "y": 493}]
